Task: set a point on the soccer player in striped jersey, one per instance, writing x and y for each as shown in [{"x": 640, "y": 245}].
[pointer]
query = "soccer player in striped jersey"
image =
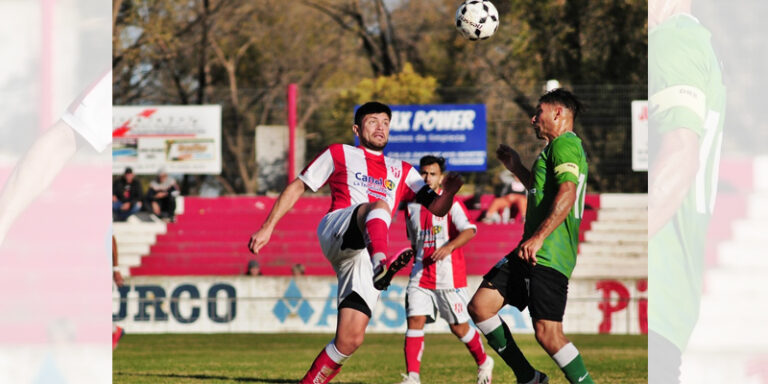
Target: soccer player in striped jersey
[
  {"x": 366, "y": 187},
  {"x": 536, "y": 273},
  {"x": 438, "y": 281}
]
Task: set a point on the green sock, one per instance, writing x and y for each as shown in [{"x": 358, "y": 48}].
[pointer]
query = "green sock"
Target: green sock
[
  {"x": 570, "y": 362},
  {"x": 500, "y": 339}
]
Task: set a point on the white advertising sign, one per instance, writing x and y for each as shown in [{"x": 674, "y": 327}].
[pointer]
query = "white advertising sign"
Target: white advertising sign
[
  {"x": 640, "y": 135},
  {"x": 181, "y": 139},
  {"x": 308, "y": 304}
]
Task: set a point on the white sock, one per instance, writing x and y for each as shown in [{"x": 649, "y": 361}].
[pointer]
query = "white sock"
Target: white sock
[
  {"x": 469, "y": 336},
  {"x": 414, "y": 375},
  {"x": 489, "y": 325},
  {"x": 338, "y": 357},
  {"x": 377, "y": 259},
  {"x": 565, "y": 355}
]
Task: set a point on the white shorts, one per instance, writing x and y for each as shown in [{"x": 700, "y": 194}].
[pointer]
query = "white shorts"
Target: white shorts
[
  {"x": 450, "y": 303},
  {"x": 90, "y": 114},
  {"x": 353, "y": 266}
]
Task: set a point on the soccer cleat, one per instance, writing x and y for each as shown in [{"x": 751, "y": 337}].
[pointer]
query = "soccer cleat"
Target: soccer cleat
[
  {"x": 540, "y": 378},
  {"x": 408, "y": 380},
  {"x": 485, "y": 371},
  {"x": 116, "y": 336},
  {"x": 382, "y": 275}
]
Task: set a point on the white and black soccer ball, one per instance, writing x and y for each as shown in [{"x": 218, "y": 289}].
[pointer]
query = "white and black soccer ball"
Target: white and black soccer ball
[{"x": 477, "y": 19}]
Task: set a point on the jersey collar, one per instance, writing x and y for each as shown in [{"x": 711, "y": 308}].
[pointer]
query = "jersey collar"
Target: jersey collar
[{"x": 371, "y": 151}]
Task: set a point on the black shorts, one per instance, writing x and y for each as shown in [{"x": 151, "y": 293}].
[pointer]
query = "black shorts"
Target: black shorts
[{"x": 543, "y": 290}]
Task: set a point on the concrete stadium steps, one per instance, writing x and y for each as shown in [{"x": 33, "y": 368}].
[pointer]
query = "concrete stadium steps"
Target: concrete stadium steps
[
  {"x": 616, "y": 245},
  {"x": 134, "y": 239},
  {"x": 749, "y": 230},
  {"x": 731, "y": 332}
]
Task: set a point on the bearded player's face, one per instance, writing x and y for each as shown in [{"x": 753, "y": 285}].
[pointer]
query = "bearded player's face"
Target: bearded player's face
[{"x": 374, "y": 132}]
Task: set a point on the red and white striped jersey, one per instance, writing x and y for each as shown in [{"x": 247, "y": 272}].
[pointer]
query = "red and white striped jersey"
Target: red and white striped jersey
[
  {"x": 428, "y": 232},
  {"x": 357, "y": 175}
]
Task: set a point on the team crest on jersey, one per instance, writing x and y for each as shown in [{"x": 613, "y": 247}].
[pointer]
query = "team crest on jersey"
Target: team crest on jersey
[
  {"x": 389, "y": 184},
  {"x": 436, "y": 230},
  {"x": 395, "y": 171}
]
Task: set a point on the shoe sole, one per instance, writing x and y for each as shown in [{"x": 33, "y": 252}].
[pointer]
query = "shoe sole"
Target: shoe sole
[{"x": 400, "y": 262}]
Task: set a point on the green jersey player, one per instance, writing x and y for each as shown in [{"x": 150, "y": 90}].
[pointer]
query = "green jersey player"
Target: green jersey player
[
  {"x": 536, "y": 273},
  {"x": 686, "y": 111}
]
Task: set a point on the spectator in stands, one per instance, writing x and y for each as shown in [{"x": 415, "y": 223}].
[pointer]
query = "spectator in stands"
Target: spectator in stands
[
  {"x": 161, "y": 196},
  {"x": 297, "y": 269},
  {"x": 126, "y": 196},
  {"x": 254, "y": 269},
  {"x": 511, "y": 203}
]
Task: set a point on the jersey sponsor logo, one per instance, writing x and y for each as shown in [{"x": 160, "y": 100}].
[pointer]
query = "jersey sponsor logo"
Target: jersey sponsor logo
[
  {"x": 368, "y": 179},
  {"x": 429, "y": 237},
  {"x": 376, "y": 186}
]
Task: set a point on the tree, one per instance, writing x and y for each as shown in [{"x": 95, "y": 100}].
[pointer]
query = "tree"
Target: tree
[{"x": 237, "y": 53}]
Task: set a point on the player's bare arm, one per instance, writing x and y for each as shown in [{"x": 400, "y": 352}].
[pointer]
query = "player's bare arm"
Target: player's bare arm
[
  {"x": 116, "y": 275},
  {"x": 463, "y": 238},
  {"x": 671, "y": 176},
  {"x": 284, "y": 203},
  {"x": 511, "y": 160},
  {"x": 564, "y": 200},
  {"x": 441, "y": 205},
  {"x": 35, "y": 172}
]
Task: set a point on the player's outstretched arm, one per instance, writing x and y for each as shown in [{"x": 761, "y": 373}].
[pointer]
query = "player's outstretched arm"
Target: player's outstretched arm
[
  {"x": 564, "y": 200},
  {"x": 441, "y": 204},
  {"x": 671, "y": 176},
  {"x": 35, "y": 172},
  {"x": 284, "y": 203},
  {"x": 511, "y": 160}
]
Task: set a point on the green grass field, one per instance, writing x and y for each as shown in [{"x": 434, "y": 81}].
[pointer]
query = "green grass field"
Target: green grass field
[{"x": 284, "y": 358}]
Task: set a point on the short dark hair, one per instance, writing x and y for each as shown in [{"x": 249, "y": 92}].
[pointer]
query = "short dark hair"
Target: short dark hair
[
  {"x": 128, "y": 170},
  {"x": 564, "y": 98},
  {"x": 429, "y": 159},
  {"x": 369, "y": 108}
]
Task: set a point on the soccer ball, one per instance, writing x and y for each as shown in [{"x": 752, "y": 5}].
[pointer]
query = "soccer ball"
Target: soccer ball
[{"x": 477, "y": 19}]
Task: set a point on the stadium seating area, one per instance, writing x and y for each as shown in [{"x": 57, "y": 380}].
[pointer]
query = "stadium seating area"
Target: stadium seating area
[{"x": 210, "y": 238}]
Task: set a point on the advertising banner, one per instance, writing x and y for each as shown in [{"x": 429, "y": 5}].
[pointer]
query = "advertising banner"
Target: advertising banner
[
  {"x": 640, "y": 135},
  {"x": 308, "y": 304},
  {"x": 180, "y": 139}
]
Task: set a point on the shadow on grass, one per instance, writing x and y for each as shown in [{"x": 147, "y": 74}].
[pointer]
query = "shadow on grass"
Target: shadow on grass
[{"x": 215, "y": 377}]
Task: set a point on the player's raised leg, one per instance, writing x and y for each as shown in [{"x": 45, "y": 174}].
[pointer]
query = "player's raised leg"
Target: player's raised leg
[
  {"x": 350, "y": 332},
  {"x": 550, "y": 336},
  {"x": 374, "y": 219},
  {"x": 484, "y": 309}
]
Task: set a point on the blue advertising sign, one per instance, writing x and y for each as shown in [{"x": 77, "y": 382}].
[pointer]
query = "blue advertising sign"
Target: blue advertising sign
[{"x": 456, "y": 132}]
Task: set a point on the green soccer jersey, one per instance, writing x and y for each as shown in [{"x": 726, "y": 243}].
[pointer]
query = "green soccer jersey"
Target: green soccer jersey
[
  {"x": 686, "y": 91},
  {"x": 562, "y": 160}
]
